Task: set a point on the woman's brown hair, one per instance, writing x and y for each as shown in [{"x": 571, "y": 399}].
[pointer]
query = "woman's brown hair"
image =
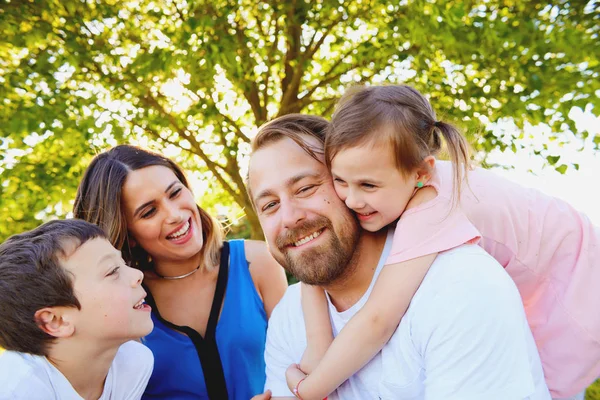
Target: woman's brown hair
[
  {"x": 99, "y": 198},
  {"x": 400, "y": 116}
]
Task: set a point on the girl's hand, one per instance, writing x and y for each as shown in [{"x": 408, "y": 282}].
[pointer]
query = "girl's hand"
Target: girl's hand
[{"x": 293, "y": 375}]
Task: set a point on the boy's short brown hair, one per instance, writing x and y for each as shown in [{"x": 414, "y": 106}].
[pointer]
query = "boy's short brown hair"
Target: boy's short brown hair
[{"x": 31, "y": 278}]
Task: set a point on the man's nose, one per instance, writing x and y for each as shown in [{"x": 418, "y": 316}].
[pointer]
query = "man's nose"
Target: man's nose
[{"x": 291, "y": 214}]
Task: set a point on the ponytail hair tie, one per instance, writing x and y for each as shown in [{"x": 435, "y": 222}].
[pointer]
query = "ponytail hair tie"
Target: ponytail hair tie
[{"x": 437, "y": 123}]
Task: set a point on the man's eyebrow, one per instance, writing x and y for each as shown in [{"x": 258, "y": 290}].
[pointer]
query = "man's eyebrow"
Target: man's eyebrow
[
  {"x": 140, "y": 208},
  {"x": 289, "y": 182}
]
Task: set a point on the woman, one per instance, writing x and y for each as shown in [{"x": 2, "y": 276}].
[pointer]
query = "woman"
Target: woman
[{"x": 210, "y": 299}]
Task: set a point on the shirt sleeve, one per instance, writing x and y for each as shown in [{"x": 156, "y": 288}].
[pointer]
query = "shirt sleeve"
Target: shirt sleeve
[
  {"x": 134, "y": 364},
  {"x": 279, "y": 355},
  {"x": 475, "y": 340},
  {"x": 433, "y": 227}
]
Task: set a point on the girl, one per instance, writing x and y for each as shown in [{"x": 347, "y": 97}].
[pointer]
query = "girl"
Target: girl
[
  {"x": 210, "y": 299},
  {"x": 381, "y": 149}
]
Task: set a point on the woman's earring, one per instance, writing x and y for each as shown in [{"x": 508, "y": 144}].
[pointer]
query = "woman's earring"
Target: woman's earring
[{"x": 419, "y": 184}]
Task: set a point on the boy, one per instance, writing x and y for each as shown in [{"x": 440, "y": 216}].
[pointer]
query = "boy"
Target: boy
[{"x": 70, "y": 310}]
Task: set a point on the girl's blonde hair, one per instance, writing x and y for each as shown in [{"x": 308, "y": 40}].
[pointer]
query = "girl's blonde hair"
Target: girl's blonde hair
[
  {"x": 99, "y": 198},
  {"x": 398, "y": 116}
]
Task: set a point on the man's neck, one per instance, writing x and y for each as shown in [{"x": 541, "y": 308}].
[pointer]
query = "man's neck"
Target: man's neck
[
  {"x": 345, "y": 292},
  {"x": 84, "y": 367}
]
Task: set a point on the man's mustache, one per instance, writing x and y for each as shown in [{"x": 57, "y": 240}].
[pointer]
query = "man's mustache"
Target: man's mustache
[{"x": 291, "y": 236}]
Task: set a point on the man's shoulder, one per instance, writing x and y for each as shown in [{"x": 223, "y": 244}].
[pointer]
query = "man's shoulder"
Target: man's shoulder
[
  {"x": 22, "y": 375},
  {"x": 463, "y": 276},
  {"x": 466, "y": 265},
  {"x": 290, "y": 301}
]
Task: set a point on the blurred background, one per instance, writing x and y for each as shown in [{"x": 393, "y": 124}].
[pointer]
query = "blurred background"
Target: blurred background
[{"x": 195, "y": 79}]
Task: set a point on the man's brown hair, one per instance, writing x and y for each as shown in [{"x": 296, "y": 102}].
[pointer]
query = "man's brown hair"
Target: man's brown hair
[
  {"x": 296, "y": 127},
  {"x": 32, "y": 278}
]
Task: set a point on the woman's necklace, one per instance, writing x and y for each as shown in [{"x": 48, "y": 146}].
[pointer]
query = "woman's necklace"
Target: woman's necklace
[{"x": 178, "y": 276}]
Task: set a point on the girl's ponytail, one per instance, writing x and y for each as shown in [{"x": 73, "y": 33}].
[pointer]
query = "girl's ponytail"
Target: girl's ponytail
[{"x": 457, "y": 148}]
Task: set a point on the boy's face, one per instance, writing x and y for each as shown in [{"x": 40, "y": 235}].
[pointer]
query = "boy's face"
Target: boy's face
[{"x": 110, "y": 294}]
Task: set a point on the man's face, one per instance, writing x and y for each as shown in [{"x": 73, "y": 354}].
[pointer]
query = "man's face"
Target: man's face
[{"x": 309, "y": 230}]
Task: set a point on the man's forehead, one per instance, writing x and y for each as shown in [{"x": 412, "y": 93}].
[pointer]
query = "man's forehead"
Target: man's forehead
[{"x": 280, "y": 163}]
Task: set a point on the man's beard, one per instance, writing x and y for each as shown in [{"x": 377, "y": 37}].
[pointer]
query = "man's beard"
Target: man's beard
[{"x": 321, "y": 265}]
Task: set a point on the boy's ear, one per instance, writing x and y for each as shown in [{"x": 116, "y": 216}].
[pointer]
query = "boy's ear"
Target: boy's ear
[{"x": 55, "y": 321}]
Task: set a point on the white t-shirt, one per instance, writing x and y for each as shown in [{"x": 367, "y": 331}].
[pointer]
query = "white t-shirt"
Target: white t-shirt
[
  {"x": 28, "y": 377},
  {"x": 464, "y": 337}
]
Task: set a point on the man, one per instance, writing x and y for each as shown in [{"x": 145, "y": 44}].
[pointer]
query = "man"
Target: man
[{"x": 464, "y": 336}]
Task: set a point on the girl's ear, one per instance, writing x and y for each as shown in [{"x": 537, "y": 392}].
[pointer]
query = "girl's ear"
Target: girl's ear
[{"x": 426, "y": 169}]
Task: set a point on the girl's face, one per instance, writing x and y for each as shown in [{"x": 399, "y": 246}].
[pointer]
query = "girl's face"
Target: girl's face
[
  {"x": 161, "y": 214},
  {"x": 367, "y": 180}
]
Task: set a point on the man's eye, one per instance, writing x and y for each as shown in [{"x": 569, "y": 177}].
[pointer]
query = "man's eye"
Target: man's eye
[
  {"x": 269, "y": 205},
  {"x": 305, "y": 189}
]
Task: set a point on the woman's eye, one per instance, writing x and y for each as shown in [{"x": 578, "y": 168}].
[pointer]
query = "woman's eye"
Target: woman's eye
[
  {"x": 149, "y": 213},
  {"x": 175, "y": 193},
  {"x": 114, "y": 271}
]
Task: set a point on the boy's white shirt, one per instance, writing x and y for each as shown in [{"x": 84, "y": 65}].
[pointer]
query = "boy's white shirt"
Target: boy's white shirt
[
  {"x": 464, "y": 336},
  {"x": 29, "y": 377}
]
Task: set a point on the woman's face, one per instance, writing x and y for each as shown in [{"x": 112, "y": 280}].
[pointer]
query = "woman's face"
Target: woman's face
[{"x": 162, "y": 216}]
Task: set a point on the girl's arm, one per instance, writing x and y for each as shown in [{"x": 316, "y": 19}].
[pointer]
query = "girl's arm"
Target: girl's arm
[
  {"x": 368, "y": 331},
  {"x": 318, "y": 326}
]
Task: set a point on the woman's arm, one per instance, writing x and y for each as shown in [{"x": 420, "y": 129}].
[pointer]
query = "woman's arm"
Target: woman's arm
[{"x": 268, "y": 276}]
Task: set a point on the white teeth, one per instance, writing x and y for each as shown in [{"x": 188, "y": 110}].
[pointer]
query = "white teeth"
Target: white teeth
[
  {"x": 140, "y": 304},
  {"x": 180, "y": 232},
  {"x": 307, "y": 239}
]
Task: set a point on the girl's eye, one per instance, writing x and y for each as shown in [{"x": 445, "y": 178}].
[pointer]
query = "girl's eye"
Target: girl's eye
[
  {"x": 114, "y": 271},
  {"x": 149, "y": 213},
  {"x": 339, "y": 181},
  {"x": 175, "y": 193},
  {"x": 368, "y": 186}
]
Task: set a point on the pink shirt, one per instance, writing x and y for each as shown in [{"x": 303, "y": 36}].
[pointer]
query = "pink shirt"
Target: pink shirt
[{"x": 551, "y": 251}]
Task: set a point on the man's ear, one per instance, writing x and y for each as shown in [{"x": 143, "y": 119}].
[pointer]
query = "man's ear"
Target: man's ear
[
  {"x": 55, "y": 321},
  {"x": 425, "y": 171}
]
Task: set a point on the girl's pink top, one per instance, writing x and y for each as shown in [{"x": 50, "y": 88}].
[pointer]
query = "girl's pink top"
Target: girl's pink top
[{"x": 551, "y": 251}]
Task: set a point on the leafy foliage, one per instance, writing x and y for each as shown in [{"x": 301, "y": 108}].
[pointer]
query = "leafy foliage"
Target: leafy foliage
[{"x": 195, "y": 78}]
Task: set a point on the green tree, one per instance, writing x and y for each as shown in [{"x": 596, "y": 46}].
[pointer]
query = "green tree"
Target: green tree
[{"x": 195, "y": 78}]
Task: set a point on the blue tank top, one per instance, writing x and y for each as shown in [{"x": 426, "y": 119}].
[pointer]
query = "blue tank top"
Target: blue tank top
[{"x": 240, "y": 336}]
